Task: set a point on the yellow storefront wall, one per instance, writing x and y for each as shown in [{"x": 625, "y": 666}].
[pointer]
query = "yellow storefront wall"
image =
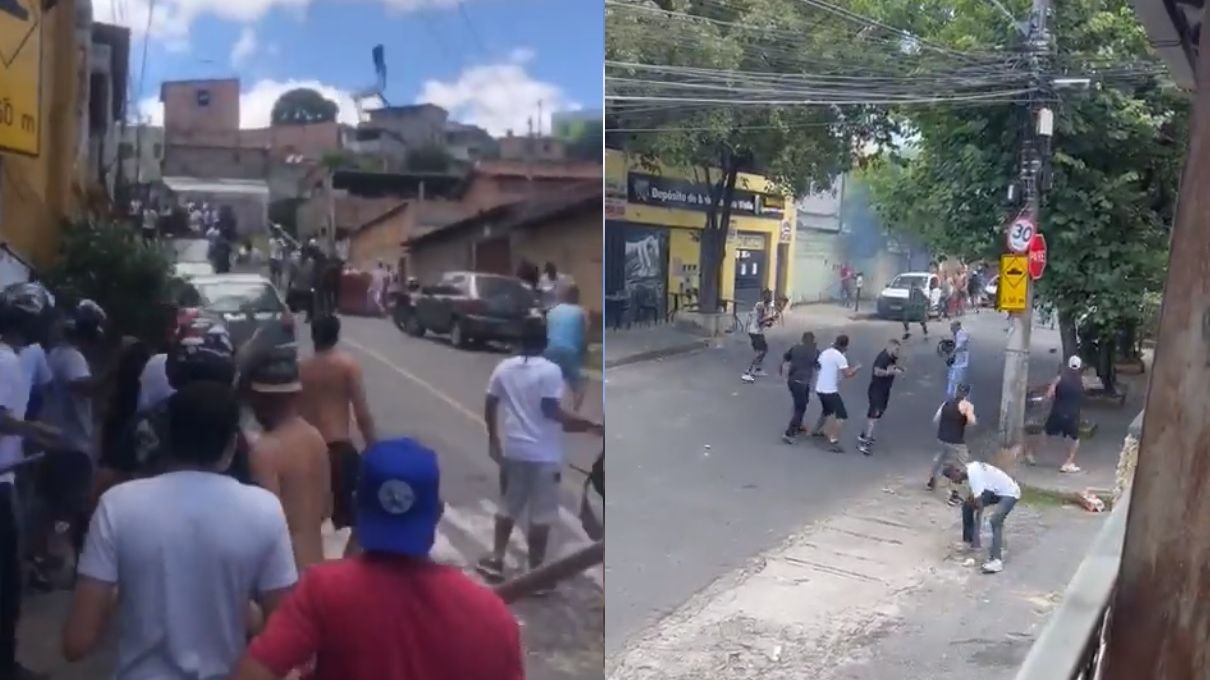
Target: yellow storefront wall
[
  {"x": 684, "y": 255},
  {"x": 36, "y": 193}
]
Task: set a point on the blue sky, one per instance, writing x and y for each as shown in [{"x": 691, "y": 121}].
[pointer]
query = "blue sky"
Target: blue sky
[{"x": 489, "y": 61}]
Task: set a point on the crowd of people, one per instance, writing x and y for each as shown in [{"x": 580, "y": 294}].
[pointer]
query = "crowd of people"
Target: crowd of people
[
  {"x": 211, "y": 529},
  {"x": 974, "y": 485}
]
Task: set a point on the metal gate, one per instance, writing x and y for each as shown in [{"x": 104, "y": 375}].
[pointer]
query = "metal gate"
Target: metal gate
[{"x": 817, "y": 260}]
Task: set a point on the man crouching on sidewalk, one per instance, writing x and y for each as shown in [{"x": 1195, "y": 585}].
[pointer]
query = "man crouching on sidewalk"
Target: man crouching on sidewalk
[{"x": 989, "y": 485}]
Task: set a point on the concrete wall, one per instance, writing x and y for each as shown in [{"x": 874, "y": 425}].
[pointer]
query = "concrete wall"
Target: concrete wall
[
  {"x": 420, "y": 125},
  {"x": 574, "y": 245},
  {"x": 150, "y": 149},
  {"x": 532, "y": 148},
  {"x": 214, "y": 162},
  {"x": 189, "y": 120},
  {"x": 36, "y": 193},
  {"x": 436, "y": 259}
]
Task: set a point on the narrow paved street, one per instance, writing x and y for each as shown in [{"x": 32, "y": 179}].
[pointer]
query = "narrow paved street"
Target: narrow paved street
[
  {"x": 427, "y": 389},
  {"x": 686, "y": 431}
]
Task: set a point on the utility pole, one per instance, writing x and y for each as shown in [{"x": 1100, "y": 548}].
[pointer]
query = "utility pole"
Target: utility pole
[{"x": 1034, "y": 153}]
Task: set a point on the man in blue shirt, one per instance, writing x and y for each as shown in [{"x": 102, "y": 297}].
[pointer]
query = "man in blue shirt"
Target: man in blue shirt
[
  {"x": 958, "y": 361},
  {"x": 566, "y": 344}
]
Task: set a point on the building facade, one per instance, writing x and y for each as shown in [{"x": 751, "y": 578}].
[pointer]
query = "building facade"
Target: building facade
[{"x": 653, "y": 222}]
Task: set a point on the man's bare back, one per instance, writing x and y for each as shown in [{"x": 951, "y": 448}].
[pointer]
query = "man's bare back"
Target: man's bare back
[
  {"x": 292, "y": 462},
  {"x": 332, "y": 391}
]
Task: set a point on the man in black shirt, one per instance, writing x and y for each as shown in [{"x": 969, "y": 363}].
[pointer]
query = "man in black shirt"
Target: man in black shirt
[
  {"x": 952, "y": 419},
  {"x": 886, "y": 367},
  {"x": 798, "y": 365}
]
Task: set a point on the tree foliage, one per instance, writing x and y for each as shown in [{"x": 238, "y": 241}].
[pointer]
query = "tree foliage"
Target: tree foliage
[
  {"x": 112, "y": 265},
  {"x": 1117, "y": 153},
  {"x": 302, "y": 106},
  {"x": 795, "y": 147}
]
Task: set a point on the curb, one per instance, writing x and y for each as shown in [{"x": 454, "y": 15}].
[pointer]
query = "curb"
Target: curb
[
  {"x": 1062, "y": 496},
  {"x": 660, "y": 353}
]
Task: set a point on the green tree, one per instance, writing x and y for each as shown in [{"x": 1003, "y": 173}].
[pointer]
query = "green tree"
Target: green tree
[
  {"x": 302, "y": 106},
  {"x": 796, "y": 147},
  {"x": 1110, "y": 191}
]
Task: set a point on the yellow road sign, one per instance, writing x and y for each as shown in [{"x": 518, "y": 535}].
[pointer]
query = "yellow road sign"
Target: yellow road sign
[
  {"x": 20, "y": 76},
  {"x": 1013, "y": 288}
]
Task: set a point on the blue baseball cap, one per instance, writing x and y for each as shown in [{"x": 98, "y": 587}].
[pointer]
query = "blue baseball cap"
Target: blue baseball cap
[{"x": 399, "y": 498}]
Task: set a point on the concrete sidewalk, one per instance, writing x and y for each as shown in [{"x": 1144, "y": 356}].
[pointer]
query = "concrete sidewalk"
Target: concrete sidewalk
[{"x": 875, "y": 591}]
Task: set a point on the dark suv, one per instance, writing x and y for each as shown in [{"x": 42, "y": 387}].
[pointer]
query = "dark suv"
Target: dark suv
[{"x": 468, "y": 306}]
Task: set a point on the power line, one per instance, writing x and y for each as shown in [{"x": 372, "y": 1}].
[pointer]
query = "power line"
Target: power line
[{"x": 470, "y": 27}]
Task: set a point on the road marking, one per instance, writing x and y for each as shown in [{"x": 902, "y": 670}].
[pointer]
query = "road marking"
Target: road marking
[{"x": 433, "y": 389}]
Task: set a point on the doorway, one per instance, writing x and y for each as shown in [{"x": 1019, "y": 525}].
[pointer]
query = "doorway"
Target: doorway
[{"x": 749, "y": 276}]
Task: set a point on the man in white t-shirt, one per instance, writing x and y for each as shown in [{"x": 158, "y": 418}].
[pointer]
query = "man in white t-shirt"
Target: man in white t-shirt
[
  {"x": 528, "y": 445},
  {"x": 154, "y": 386},
  {"x": 188, "y": 549},
  {"x": 989, "y": 485},
  {"x": 762, "y": 316},
  {"x": 833, "y": 367}
]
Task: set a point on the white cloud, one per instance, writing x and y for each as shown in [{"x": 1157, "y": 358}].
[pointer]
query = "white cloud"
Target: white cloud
[
  {"x": 521, "y": 55},
  {"x": 256, "y": 103},
  {"x": 498, "y": 97},
  {"x": 244, "y": 47},
  {"x": 172, "y": 19}
]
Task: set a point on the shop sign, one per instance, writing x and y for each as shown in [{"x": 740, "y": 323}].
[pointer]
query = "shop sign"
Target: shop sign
[{"x": 673, "y": 192}]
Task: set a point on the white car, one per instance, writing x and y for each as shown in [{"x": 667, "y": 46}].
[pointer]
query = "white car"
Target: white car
[{"x": 893, "y": 299}]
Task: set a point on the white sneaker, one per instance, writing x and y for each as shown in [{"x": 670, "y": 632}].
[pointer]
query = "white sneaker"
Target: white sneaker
[
  {"x": 993, "y": 567},
  {"x": 748, "y": 378},
  {"x": 1069, "y": 467}
]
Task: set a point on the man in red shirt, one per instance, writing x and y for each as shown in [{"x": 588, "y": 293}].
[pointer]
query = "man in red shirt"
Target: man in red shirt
[{"x": 390, "y": 613}]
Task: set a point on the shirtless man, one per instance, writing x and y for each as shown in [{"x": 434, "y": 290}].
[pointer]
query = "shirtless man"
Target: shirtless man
[
  {"x": 290, "y": 458},
  {"x": 332, "y": 387}
]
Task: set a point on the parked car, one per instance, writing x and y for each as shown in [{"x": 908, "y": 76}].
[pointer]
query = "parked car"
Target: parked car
[
  {"x": 244, "y": 302},
  {"x": 470, "y": 307},
  {"x": 893, "y": 299}
]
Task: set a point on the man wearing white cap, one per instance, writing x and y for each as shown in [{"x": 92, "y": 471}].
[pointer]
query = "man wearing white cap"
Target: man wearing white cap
[{"x": 1066, "y": 393}]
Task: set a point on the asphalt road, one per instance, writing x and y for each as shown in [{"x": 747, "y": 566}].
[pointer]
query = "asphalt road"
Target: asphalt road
[
  {"x": 426, "y": 389},
  {"x": 701, "y": 482}
]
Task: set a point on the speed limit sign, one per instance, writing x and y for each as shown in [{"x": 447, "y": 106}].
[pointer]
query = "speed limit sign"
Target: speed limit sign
[{"x": 1020, "y": 233}]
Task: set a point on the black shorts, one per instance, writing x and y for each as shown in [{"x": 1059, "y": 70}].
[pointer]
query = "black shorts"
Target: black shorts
[
  {"x": 346, "y": 472},
  {"x": 758, "y": 342},
  {"x": 833, "y": 405},
  {"x": 1058, "y": 425},
  {"x": 878, "y": 403},
  {"x": 65, "y": 483}
]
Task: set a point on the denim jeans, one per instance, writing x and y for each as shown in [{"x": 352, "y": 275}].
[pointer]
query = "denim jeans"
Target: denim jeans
[
  {"x": 801, "y": 394},
  {"x": 956, "y": 375},
  {"x": 972, "y": 519}
]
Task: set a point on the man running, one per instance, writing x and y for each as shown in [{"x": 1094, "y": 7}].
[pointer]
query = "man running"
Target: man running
[
  {"x": 391, "y": 613},
  {"x": 952, "y": 419},
  {"x": 187, "y": 549},
  {"x": 332, "y": 388},
  {"x": 916, "y": 311},
  {"x": 958, "y": 361},
  {"x": 762, "y": 317},
  {"x": 566, "y": 341},
  {"x": 1066, "y": 393},
  {"x": 291, "y": 457},
  {"x": 528, "y": 445},
  {"x": 886, "y": 367},
  {"x": 990, "y": 486},
  {"x": 798, "y": 365},
  {"x": 833, "y": 364}
]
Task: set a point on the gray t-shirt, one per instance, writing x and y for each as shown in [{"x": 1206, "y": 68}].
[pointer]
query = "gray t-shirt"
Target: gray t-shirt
[
  {"x": 63, "y": 408},
  {"x": 187, "y": 550}
]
